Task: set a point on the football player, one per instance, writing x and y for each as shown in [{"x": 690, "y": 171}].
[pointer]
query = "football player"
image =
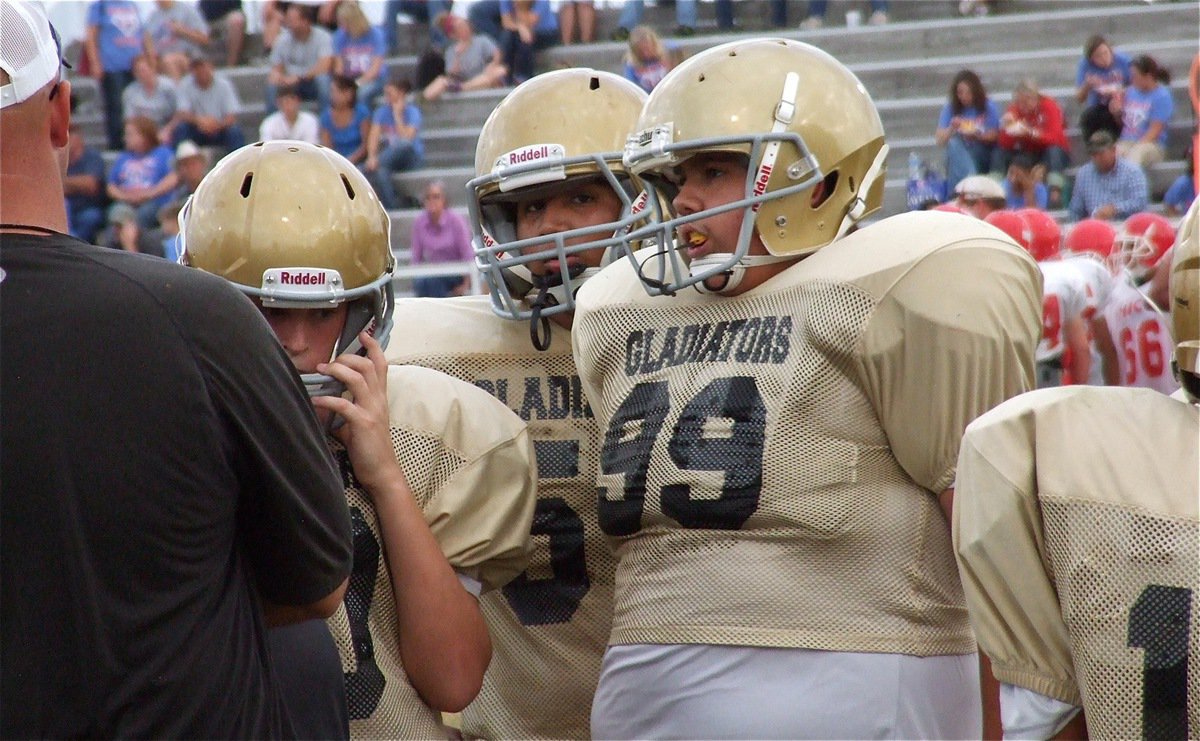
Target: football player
[
  {"x": 1064, "y": 353},
  {"x": 781, "y": 405},
  {"x": 1077, "y": 527},
  {"x": 548, "y": 205},
  {"x": 1133, "y": 332},
  {"x": 1093, "y": 266},
  {"x": 439, "y": 475}
]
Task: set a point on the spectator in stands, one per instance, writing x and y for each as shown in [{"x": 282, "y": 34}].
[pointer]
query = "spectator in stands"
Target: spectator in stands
[
  {"x": 968, "y": 127},
  {"x": 114, "y": 39},
  {"x": 1145, "y": 110},
  {"x": 227, "y": 15},
  {"x": 327, "y": 13},
  {"x": 168, "y": 230},
  {"x": 302, "y": 56},
  {"x": 648, "y": 60},
  {"x": 1103, "y": 73},
  {"x": 126, "y": 232},
  {"x": 394, "y": 142},
  {"x": 979, "y": 196},
  {"x": 1110, "y": 186},
  {"x": 143, "y": 176},
  {"x": 1032, "y": 124},
  {"x": 529, "y": 26},
  {"x": 84, "y": 187},
  {"x": 577, "y": 13},
  {"x": 440, "y": 235},
  {"x": 1182, "y": 191},
  {"x": 359, "y": 50},
  {"x": 173, "y": 34},
  {"x": 191, "y": 165},
  {"x": 272, "y": 20},
  {"x": 817, "y": 8},
  {"x": 686, "y": 15},
  {"x": 472, "y": 61},
  {"x": 208, "y": 108},
  {"x": 289, "y": 122},
  {"x": 346, "y": 123},
  {"x": 1023, "y": 186},
  {"x": 422, "y": 11},
  {"x": 151, "y": 95}
]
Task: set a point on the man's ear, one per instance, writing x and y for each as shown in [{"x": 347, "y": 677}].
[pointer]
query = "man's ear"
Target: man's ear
[{"x": 60, "y": 115}]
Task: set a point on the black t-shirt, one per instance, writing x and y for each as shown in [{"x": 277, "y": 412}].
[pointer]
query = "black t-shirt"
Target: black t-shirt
[
  {"x": 160, "y": 468},
  {"x": 306, "y": 660}
]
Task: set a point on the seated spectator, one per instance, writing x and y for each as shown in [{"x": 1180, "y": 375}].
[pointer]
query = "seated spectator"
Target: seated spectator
[
  {"x": 485, "y": 18},
  {"x": 346, "y": 123},
  {"x": 327, "y": 13},
  {"x": 272, "y": 23},
  {"x": 208, "y": 108},
  {"x": 114, "y": 39},
  {"x": 228, "y": 15},
  {"x": 84, "y": 187},
  {"x": 151, "y": 95},
  {"x": 472, "y": 61},
  {"x": 289, "y": 122},
  {"x": 440, "y": 235},
  {"x": 168, "y": 230},
  {"x": 979, "y": 196},
  {"x": 174, "y": 33},
  {"x": 1023, "y": 186},
  {"x": 573, "y": 13},
  {"x": 647, "y": 60},
  {"x": 143, "y": 176},
  {"x": 529, "y": 26},
  {"x": 1145, "y": 110},
  {"x": 817, "y": 8},
  {"x": 1110, "y": 186},
  {"x": 968, "y": 127},
  {"x": 126, "y": 232},
  {"x": 1180, "y": 196},
  {"x": 302, "y": 56},
  {"x": 686, "y": 15},
  {"x": 191, "y": 165},
  {"x": 1033, "y": 125},
  {"x": 394, "y": 142},
  {"x": 422, "y": 11},
  {"x": 358, "y": 51},
  {"x": 1103, "y": 73}
]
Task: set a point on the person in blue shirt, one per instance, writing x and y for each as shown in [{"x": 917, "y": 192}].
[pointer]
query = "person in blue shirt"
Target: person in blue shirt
[
  {"x": 359, "y": 50},
  {"x": 394, "y": 141},
  {"x": 143, "y": 176},
  {"x": 114, "y": 38},
  {"x": 84, "y": 187},
  {"x": 1146, "y": 109},
  {"x": 529, "y": 26},
  {"x": 1102, "y": 73},
  {"x": 1179, "y": 197},
  {"x": 1023, "y": 186},
  {"x": 968, "y": 127},
  {"x": 346, "y": 123}
]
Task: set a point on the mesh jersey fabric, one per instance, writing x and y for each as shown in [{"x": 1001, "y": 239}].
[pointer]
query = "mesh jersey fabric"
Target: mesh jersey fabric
[
  {"x": 550, "y": 625},
  {"x": 469, "y": 462},
  {"x": 1077, "y": 529},
  {"x": 770, "y": 460}
]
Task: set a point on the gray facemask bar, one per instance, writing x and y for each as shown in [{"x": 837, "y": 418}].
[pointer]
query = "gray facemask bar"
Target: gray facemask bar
[{"x": 499, "y": 254}]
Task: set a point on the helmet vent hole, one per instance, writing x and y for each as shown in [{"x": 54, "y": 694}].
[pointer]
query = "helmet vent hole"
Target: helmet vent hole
[
  {"x": 246, "y": 181},
  {"x": 700, "y": 78},
  {"x": 594, "y": 83},
  {"x": 348, "y": 186}
]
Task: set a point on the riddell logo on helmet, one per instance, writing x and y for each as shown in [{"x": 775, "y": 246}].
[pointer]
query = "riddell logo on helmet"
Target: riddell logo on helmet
[
  {"x": 764, "y": 174},
  {"x": 294, "y": 278},
  {"x": 531, "y": 153}
]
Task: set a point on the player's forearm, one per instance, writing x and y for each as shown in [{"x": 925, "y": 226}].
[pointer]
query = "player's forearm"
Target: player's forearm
[{"x": 444, "y": 643}]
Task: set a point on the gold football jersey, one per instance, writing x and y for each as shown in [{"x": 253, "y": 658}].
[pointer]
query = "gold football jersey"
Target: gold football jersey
[
  {"x": 550, "y": 625},
  {"x": 770, "y": 461},
  {"x": 470, "y": 464},
  {"x": 1077, "y": 527}
]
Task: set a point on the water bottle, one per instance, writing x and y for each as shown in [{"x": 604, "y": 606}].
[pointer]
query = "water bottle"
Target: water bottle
[{"x": 914, "y": 167}]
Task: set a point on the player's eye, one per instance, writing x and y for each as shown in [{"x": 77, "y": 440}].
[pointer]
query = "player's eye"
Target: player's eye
[
  {"x": 325, "y": 315},
  {"x": 532, "y": 207}
]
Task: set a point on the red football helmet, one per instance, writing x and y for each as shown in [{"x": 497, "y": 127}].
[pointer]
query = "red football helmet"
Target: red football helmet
[
  {"x": 1046, "y": 242},
  {"x": 1144, "y": 238},
  {"x": 1092, "y": 237},
  {"x": 1014, "y": 225}
]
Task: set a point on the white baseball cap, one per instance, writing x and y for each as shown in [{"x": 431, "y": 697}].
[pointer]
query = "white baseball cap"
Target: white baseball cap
[
  {"x": 979, "y": 186},
  {"x": 29, "y": 50}
]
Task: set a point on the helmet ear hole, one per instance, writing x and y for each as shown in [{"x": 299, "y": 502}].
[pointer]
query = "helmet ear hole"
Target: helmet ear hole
[
  {"x": 827, "y": 189},
  {"x": 246, "y": 181}
]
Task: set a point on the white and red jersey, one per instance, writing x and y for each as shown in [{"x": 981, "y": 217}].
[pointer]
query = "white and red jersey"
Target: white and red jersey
[
  {"x": 1099, "y": 282},
  {"x": 1064, "y": 296},
  {"x": 1142, "y": 336}
]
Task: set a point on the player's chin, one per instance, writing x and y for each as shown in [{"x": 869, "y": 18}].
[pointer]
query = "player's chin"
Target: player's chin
[{"x": 717, "y": 282}]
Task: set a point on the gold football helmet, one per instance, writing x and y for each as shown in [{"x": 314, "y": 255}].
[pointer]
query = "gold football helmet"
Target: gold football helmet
[
  {"x": 295, "y": 226},
  {"x": 557, "y": 126},
  {"x": 800, "y": 117},
  {"x": 1185, "y": 303}
]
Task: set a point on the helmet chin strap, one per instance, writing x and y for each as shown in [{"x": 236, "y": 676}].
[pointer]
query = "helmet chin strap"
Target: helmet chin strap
[{"x": 735, "y": 273}]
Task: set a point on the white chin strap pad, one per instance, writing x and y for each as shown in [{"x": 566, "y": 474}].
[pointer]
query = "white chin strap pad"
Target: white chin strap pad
[{"x": 735, "y": 273}]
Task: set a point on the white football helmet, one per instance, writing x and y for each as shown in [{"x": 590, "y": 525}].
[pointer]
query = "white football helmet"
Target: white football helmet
[
  {"x": 555, "y": 127},
  {"x": 296, "y": 226},
  {"x": 801, "y": 118}
]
